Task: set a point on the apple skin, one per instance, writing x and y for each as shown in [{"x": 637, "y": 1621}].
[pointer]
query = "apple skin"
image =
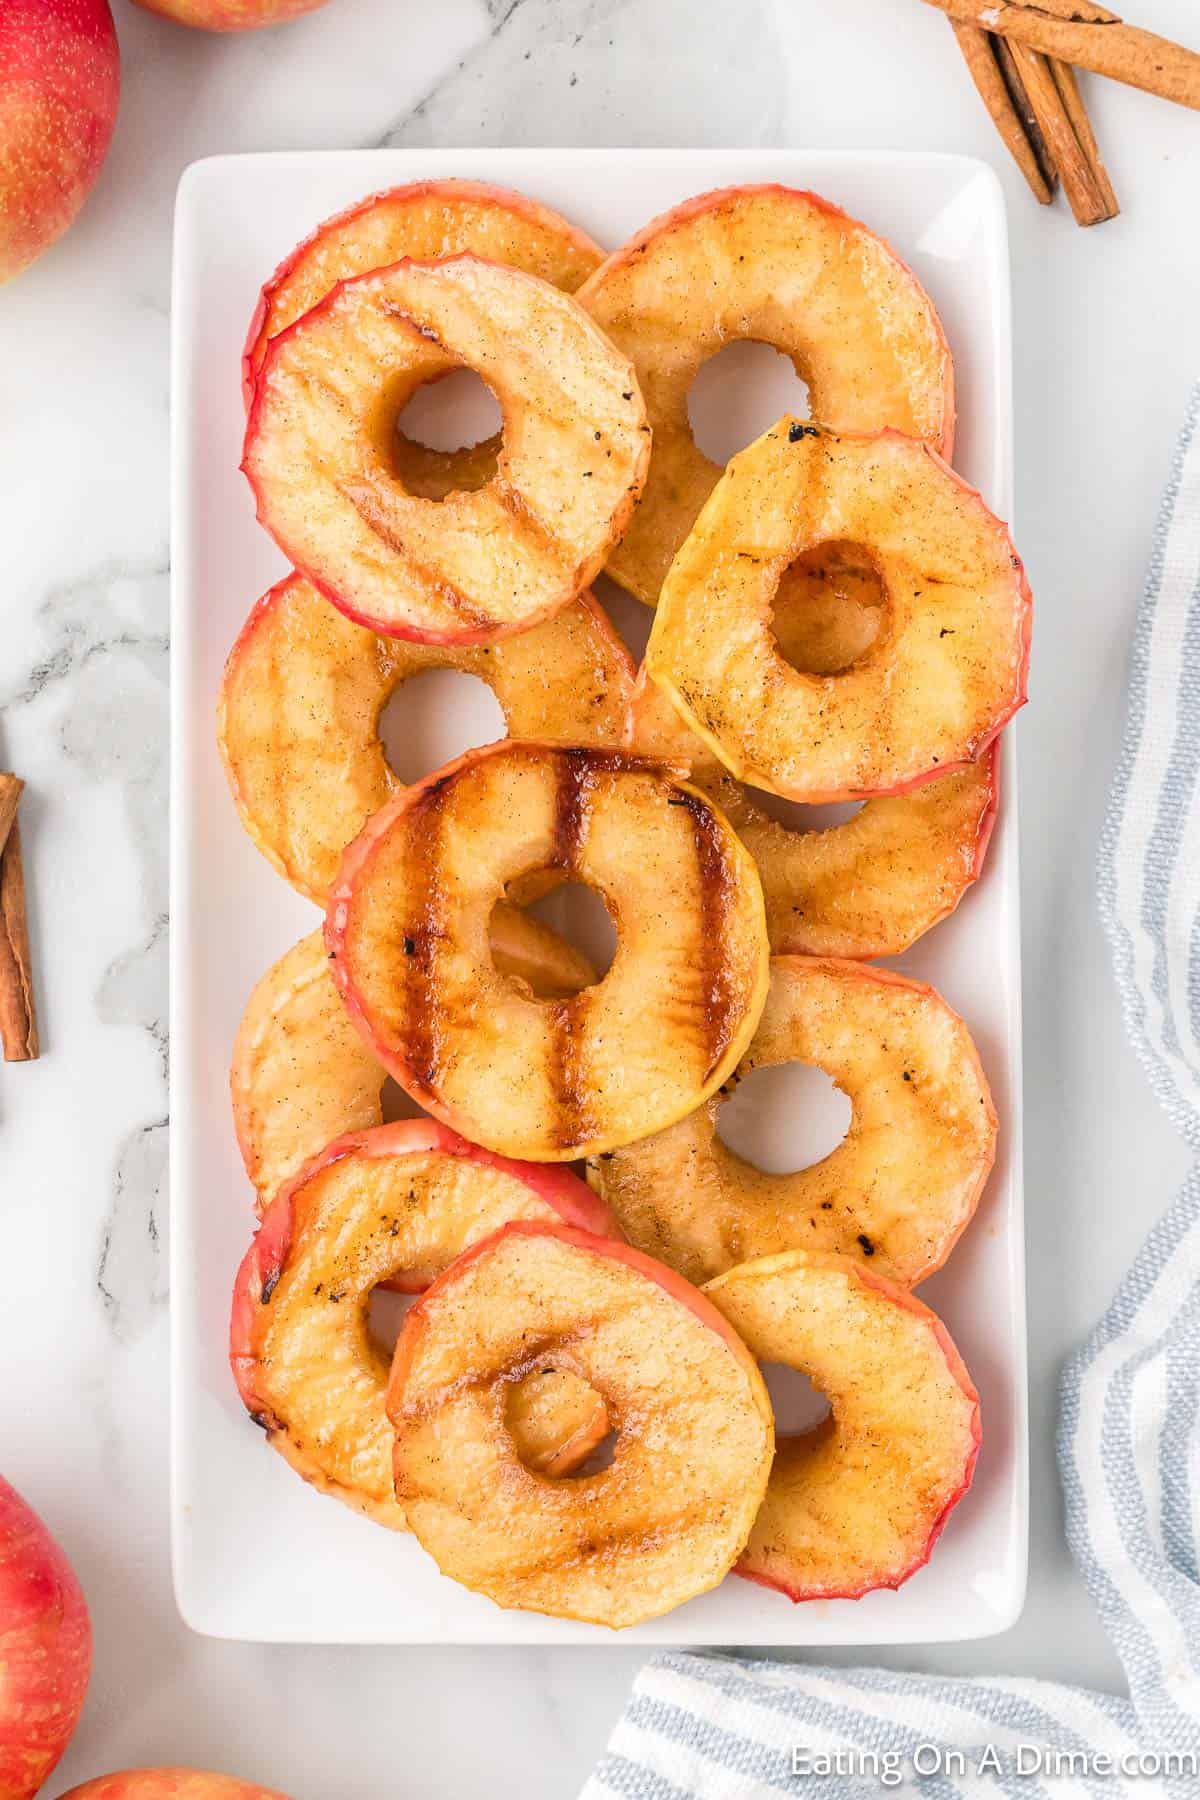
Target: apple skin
[
  {"x": 583, "y": 1213},
  {"x": 170, "y": 1784},
  {"x": 60, "y": 81},
  {"x": 229, "y": 15},
  {"x": 480, "y": 192},
  {"x": 45, "y": 1648},
  {"x": 868, "y": 1278}
]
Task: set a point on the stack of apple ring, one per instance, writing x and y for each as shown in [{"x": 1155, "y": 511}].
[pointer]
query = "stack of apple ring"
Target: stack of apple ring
[{"x": 574, "y": 1419}]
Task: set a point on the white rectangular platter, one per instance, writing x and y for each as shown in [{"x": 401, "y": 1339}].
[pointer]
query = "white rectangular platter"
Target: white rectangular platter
[{"x": 257, "y": 1554}]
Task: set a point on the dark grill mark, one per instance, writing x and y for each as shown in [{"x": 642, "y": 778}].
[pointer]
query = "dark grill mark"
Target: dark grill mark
[
  {"x": 394, "y": 309},
  {"x": 717, "y": 985},
  {"x": 575, "y": 773},
  {"x": 523, "y": 516},
  {"x": 371, "y": 511}
]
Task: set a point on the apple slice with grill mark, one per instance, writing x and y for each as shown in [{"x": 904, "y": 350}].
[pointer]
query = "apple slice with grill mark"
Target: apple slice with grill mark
[
  {"x": 869, "y": 886},
  {"x": 390, "y": 1206},
  {"x": 781, "y": 267},
  {"x": 301, "y": 1075},
  {"x": 426, "y": 220},
  {"x": 858, "y": 1502},
  {"x": 551, "y": 1080},
  {"x": 670, "y": 1514},
  {"x": 473, "y": 567},
  {"x": 939, "y": 681},
  {"x": 901, "y": 1187},
  {"x": 304, "y": 687}
]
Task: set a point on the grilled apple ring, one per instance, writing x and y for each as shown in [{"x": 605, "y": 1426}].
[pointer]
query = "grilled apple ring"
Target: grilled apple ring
[
  {"x": 302, "y": 1075},
  {"x": 858, "y": 1502},
  {"x": 298, "y": 715},
  {"x": 473, "y": 567},
  {"x": 900, "y": 1188},
  {"x": 408, "y": 930},
  {"x": 671, "y": 1513},
  {"x": 785, "y": 268},
  {"x": 394, "y": 1206},
  {"x": 425, "y": 220},
  {"x": 941, "y": 679},
  {"x": 870, "y": 886}
]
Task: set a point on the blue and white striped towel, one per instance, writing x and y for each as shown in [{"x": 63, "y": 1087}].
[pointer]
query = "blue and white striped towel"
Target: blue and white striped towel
[{"x": 713, "y": 1728}]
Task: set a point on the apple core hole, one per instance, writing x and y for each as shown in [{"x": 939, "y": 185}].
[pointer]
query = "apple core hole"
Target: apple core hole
[
  {"x": 396, "y": 1104},
  {"x": 739, "y": 393},
  {"x": 601, "y": 1457},
  {"x": 794, "y": 815},
  {"x": 829, "y": 609},
  {"x": 435, "y": 716},
  {"x": 797, "y": 1404},
  {"x": 386, "y": 1312},
  {"x": 580, "y": 914},
  {"x": 784, "y": 1119},
  {"x": 457, "y": 412}
]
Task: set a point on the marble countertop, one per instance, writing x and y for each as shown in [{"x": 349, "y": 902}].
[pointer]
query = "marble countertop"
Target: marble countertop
[{"x": 1106, "y": 347}]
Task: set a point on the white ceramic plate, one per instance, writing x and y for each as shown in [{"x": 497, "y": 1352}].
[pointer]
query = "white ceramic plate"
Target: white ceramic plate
[{"x": 257, "y": 1554}]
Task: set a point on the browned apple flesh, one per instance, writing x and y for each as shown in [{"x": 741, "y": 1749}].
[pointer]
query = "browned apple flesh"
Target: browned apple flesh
[
  {"x": 395, "y": 1205},
  {"x": 869, "y": 886},
  {"x": 859, "y": 1502},
  {"x": 304, "y": 687},
  {"x": 426, "y": 220},
  {"x": 476, "y": 566},
  {"x": 551, "y": 1080},
  {"x": 899, "y": 1189},
  {"x": 943, "y": 675},
  {"x": 784, "y": 268},
  {"x": 670, "y": 1514},
  {"x": 302, "y": 1075}
]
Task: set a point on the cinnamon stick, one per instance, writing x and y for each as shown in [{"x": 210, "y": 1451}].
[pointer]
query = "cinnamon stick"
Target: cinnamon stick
[
  {"x": 1075, "y": 31},
  {"x": 1012, "y": 80},
  {"x": 1072, "y": 99},
  {"x": 1019, "y": 131},
  {"x": 18, "y": 1018},
  {"x": 10, "y": 793},
  {"x": 1080, "y": 181}
]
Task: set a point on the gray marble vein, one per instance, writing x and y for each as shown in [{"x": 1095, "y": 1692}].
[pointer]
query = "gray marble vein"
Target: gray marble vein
[
  {"x": 131, "y": 1268},
  {"x": 103, "y": 679},
  {"x": 522, "y": 84}
]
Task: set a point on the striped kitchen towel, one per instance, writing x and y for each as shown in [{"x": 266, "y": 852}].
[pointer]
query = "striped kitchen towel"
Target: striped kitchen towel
[{"x": 716, "y": 1728}]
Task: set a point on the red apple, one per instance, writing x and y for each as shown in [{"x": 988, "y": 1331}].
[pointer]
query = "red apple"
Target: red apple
[
  {"x": 60, "y": 78},
  {"x": 230, "y": 15},
  {"x": 45, "y": 1648},
  {"x": 170, "y": 1784}
]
